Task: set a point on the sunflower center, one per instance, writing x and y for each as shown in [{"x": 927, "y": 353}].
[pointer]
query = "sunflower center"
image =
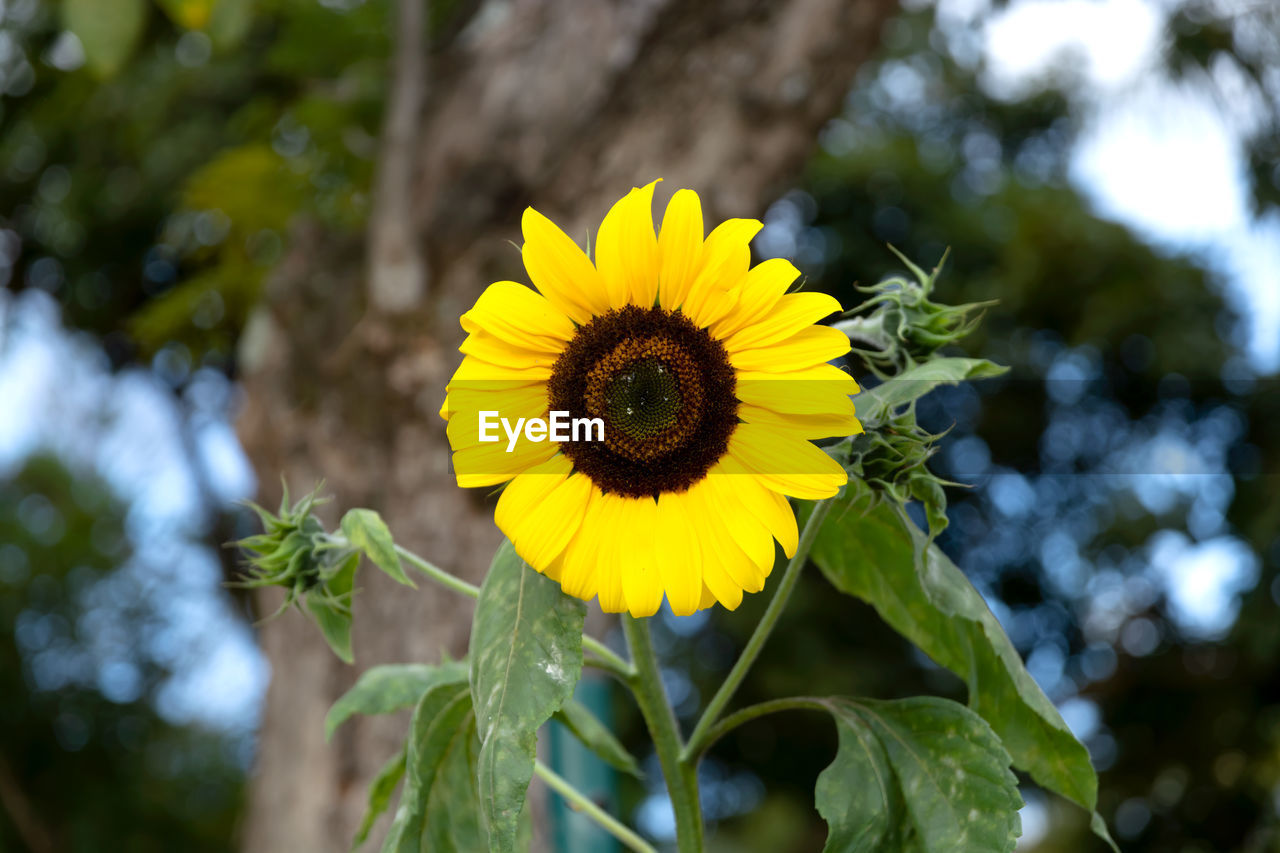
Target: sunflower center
[
  {"x": 665, "y": 391},
  {"x": 643, "y": 400}
]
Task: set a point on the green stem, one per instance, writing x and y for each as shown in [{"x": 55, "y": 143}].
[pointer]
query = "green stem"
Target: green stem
[
  {"x": 608, "y": 660},
  {"x": 700, "y": 738},
  {"x": 582, "y": 803},
  {"x": 438, "y": 574},
  {"x": 682, "y": 780},
  {"x": 751, "y": 712}
]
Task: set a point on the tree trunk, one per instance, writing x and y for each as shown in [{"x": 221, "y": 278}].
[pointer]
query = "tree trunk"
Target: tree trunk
[{"x": 561, "y": 104}]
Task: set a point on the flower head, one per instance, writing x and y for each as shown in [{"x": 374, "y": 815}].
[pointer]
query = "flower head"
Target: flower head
[{"x": 708, "y": 381}]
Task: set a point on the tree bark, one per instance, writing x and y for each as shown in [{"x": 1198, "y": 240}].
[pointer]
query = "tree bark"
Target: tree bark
[{"x": 562, "y": 104}]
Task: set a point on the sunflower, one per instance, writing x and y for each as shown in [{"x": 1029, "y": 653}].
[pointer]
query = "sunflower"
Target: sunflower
[{"x": 710, "y": 381}]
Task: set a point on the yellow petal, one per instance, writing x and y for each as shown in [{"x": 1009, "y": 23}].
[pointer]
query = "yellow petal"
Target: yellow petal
[
  {"x": 789, "y": 315},
  {"x": 679, "y": 554},
  {"x": 762, "y": 287},
  {"x": 561, "y": 270},
  {"x": 510, "y": 401},
  {"x": 715, "y": 554},
  {"x": 726, "y": 255},
  {"x": 612, "y": 520},
  {"x": 679, "y": 248},
  {"x": 488, "y": 463},
  {"x": 627, "y": 250},
  {"x": 475, "y": 371},
  {"x": 578, "y": 576},
  {"x": 784, "y": 464},
  {"x": 727, "y": 568},
  {"x": 490, "y": 348},
  {"x": 520, "y": 316},
  {"x": 541, "y": 510},
  {"x": 708, "y": 598},
  {"x": 810, "y": 346},
  {"x": 818, "y": 390},
  {"x": 637, "y": 553},
  {"x": 744, "y": 530},
  {"x": 802, "y": 426},
  {"x": 767, "y": 507}
]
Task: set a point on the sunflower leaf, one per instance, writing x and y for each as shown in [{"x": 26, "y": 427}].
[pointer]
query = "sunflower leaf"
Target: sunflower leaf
[
  {"x": 384, "y": 689},
  {"x": 439, "y": 807},
  {"x": 921, "y": 775},
  {"x": 366, "y": 531},
  {"x": 594, "y": 736},
  {"x": 526, "y": 658},
  {"x": 380, "y": 791},
  {"x": 877, "y": 404},
  {"x": 330, "y": 604},
  {"x": 868, "y": 549}
]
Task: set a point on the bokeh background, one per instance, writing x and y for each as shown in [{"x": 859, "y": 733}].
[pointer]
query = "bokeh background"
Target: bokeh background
[{"x": 1108, "y": 170}]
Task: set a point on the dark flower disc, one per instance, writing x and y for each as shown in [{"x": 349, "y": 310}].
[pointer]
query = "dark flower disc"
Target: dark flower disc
[{"x": 664, "y": 389}]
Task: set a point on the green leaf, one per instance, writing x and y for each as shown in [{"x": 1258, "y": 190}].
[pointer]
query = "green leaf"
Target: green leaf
[
  {"x": 108, "y": 30},
  {"x": 596, "y": 737},
  {"x": 366, "y": 530},
  {"x": 230, "y": 22},
  {"x": 868, "y": 549},
  {"x": 922, "y": 775},
  {"x": 384, "y": 689},
  {"x": 439, "y": 810},
  {"x": 331, "y": 606},
  {"x": 876, "y": 404},
  {"x": 380, "y": 791},
  {"x": 526, "y": 657}
]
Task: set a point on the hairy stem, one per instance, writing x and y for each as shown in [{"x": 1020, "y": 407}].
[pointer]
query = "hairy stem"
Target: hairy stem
[
  {"x": 751, "y": 712},
  {"x": 438, "y": 574},
  {"x": 700, "y": 738},
  {"x": 682, "y": 780},
  {"x": 582, "y": 803}
]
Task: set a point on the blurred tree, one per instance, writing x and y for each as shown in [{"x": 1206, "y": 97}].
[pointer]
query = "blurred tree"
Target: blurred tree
[{"x": 85, "y": 758}]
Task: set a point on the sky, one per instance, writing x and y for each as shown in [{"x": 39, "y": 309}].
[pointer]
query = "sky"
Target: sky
[{"x": 1163, "y": 157}]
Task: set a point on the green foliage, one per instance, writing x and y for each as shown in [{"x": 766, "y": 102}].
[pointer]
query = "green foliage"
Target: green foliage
[
  {"x": 380, "y": 793},
  {"x": 391, "y": 687},
  {"x": 526, "y": 657},
  {"x": 879, "y": 403},
  {"x": 108, "y": 30},
  {"x": 366, "y": 531},
  {"x": 872, "y": 550},
  {"x": 439, "y": 807},
  {"x": 594, "y": 736},
  {"x": 903, "y": 326},
  {"x": 329, "y": 603},
  {"x": 225, "y": 21},
  {"x": 87, "y": 768},
  {"x": 163, "y": 181},
  {"x": 314, "y": 568},
  {"x": 919, "y": 775}
]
